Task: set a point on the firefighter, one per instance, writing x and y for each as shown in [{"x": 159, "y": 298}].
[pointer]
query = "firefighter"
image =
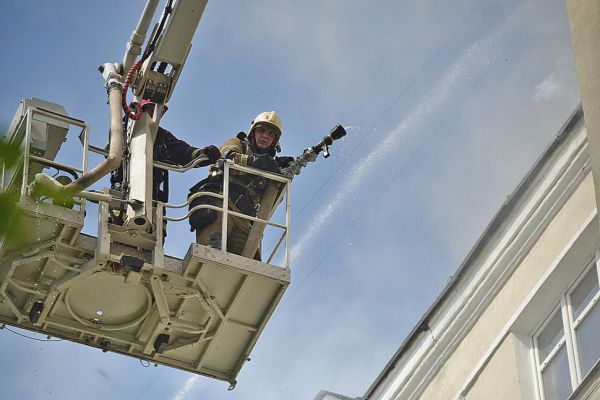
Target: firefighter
[{"x": 258, "y": 150}]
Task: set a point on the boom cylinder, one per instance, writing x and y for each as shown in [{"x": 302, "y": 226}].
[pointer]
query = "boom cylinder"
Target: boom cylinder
[{"x": 134, "y": 45}]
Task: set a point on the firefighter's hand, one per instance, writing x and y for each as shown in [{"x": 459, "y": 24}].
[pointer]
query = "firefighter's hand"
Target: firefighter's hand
[
  {"x": 264, "y": 162},
  {"x": 210, "y": 153},
  {"x": 284, "y": 162}
]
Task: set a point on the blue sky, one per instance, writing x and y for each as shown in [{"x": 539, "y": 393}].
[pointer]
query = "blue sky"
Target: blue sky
[{"x": 447, "y": 105}]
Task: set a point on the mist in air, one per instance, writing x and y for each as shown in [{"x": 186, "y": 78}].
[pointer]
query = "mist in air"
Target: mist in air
[{"x": 419, "y": 123}]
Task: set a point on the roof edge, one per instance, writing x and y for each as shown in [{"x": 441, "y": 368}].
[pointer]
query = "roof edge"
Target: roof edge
[{"x": 505, "y": 210}]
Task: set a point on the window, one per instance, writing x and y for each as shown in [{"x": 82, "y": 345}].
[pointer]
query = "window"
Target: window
[{"x": 567, "y": 345}]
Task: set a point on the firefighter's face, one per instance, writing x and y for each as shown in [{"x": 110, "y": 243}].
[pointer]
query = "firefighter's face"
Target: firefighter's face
[{"x": 264, "y": 136}]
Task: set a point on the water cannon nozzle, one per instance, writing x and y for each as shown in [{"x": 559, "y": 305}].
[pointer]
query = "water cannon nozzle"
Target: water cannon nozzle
[{"x": 337, "y": 132}]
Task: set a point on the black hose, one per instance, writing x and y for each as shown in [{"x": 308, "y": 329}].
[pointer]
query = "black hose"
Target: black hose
[{"x": 163, "y": 19}]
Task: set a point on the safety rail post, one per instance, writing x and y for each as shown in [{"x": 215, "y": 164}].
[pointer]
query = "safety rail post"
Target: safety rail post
[
  {"x": 225, "y": 214},
  {"x": 288, "y": 222},
  {"x": 158, "y": 256},
  {"x": 86, "y": 143},
  {"x": 104, "y": 237},
  {"x": 26, "y": 153}
]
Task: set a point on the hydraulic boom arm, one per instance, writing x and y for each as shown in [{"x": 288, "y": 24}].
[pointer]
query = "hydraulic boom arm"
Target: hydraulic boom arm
[{"x": 152, "y": 79}]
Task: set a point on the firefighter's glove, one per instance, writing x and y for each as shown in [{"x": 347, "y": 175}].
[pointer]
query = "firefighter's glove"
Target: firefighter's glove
[
  {"x": 264, "y": 162},
  {"x": 284, "y": 162},
  {"x": 211, "y": 153}
]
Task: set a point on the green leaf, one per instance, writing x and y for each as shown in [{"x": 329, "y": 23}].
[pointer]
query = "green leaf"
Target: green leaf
[
  {"x": 10, "y": 153},
  {"x": 10, "y": 214}
]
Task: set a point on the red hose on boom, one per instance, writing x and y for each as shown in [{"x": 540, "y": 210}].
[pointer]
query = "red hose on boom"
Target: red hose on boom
[{"x": 139, "y": 112}]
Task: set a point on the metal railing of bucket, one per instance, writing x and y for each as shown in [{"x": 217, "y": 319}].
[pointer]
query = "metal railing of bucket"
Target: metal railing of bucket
[
  {"x": 23, "y": 133},
  {"x": 225, "y": 209}
]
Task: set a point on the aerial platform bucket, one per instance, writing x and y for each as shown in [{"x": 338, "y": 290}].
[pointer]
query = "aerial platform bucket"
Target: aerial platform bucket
[{"x": 119, "y": 292}]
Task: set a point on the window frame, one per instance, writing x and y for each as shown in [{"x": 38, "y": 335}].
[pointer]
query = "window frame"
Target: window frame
[
  {"x": 569, "y": 337},
  {"x": 575, "y": 323}
]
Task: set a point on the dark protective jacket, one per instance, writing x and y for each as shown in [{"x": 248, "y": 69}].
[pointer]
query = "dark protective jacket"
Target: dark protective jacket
[
  {"x": 235, "y": 149},
  {"x": 169, "y": 150}
]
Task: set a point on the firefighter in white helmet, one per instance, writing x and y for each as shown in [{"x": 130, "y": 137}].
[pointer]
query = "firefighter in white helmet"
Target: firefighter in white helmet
[{"x": 258, "y": 150}]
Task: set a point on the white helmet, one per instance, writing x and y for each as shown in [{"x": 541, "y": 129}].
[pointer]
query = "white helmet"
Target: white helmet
[{"x": 267, "y": 118}]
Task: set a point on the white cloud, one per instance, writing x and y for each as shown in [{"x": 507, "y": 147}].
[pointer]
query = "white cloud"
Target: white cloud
[{"x": 550, "y": 88}]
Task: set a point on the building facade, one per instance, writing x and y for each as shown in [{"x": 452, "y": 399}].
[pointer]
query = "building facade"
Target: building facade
[{"x": 519, "y": 320}]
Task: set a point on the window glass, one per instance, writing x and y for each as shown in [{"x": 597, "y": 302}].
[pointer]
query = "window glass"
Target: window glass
[
  {"x": 582, "y": 295},
  {"x": 588, "y": 339},
  {"x": 550, "y": 336},
  {"x": 556, "y": 379}
]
